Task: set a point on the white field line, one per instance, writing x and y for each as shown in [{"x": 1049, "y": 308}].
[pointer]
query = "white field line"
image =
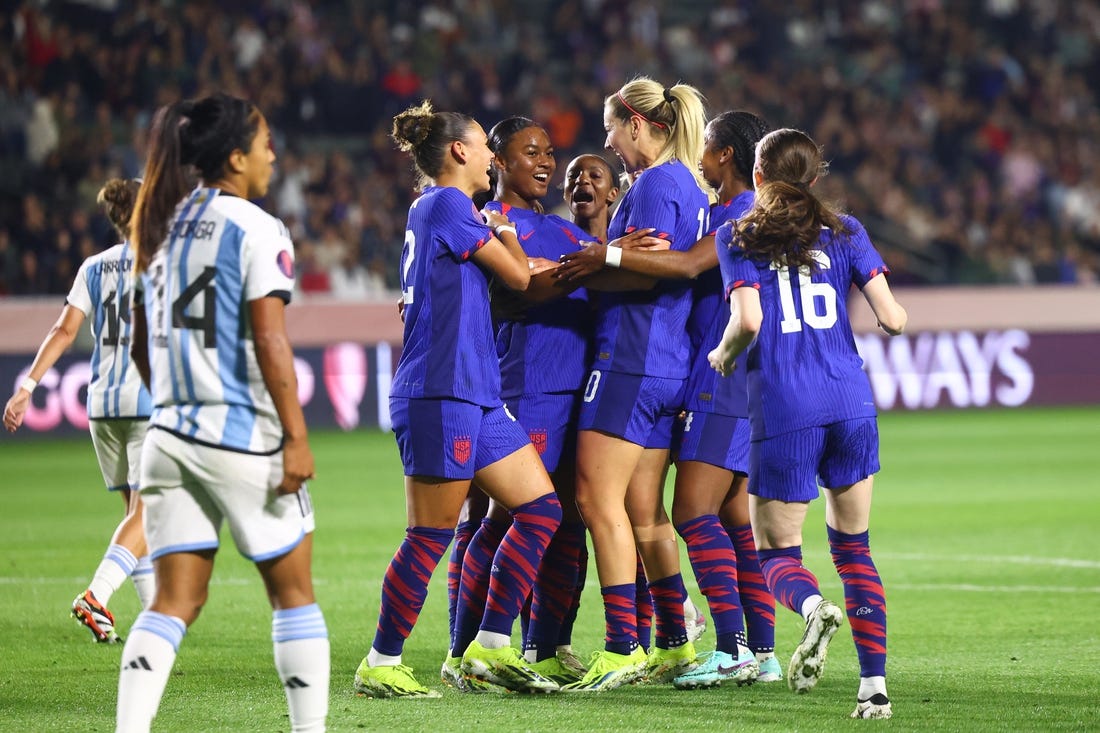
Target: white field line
[
  {"x": 970, "y": 588},
  {"x": 1059, "y": 562}
]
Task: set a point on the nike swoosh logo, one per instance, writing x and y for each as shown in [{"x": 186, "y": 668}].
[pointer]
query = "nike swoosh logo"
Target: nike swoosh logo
[
  {"x": 526, "y": 236},
  {"x": 727, "y": 670}
]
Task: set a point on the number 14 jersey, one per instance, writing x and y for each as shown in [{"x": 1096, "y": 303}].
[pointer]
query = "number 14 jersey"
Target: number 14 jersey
[{"x": 221, "y": 253}]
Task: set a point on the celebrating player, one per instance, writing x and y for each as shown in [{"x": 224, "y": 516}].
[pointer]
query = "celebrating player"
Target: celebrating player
[
  {"x": 448, "y": 416},
  {"x": 636, "y": 384},
  {"x": 787, "y": 266}
]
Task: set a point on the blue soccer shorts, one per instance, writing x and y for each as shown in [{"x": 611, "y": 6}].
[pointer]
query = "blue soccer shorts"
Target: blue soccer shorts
[{"x": 788, "y": 467}]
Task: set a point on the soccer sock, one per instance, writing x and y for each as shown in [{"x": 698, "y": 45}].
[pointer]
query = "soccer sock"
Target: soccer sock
[
  {"x": 756, "y": 600},
  {"x": 553, "y": 591},
  {"x": 144, "y": 580},
  {"x": 710, "y": 552},
  {"x": 517, "y": 561},
  {"x": 302, "y": 661},
  {"x": 147, "y": 661},
  {"x": 864, "y": 598},
  {"x": 790, "y": 582},
  {"x": 474, "y": 585},
  {"x": 643, "y": 600},
  {"x": 565, "y": 635},
  {"x": 619, "y": 609},
  {"x": 870, "y": 686},
  {"x": 405, "y": 585},
  {"x": 669, "y": 595},
  {"x": 464, "y": 532},
  {"x": 115, "y": 567}
]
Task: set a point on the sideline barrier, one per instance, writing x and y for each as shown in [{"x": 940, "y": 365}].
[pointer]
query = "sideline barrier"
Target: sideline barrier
[{"x": 990, "y": 347}]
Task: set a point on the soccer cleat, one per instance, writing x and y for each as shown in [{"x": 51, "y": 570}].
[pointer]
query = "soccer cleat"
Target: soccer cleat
[
  {"x": 663, "y": 665},
  {"x": 571, "y": 661},
  {"x": 695, "y": 623},
  {"x": 717, "y": 668},
  {"x": 94, "y": 616},
  {"x": 808, "y": 661},
  {"x": 553, "y": 669},
  {"x": 608, "y": 670},
  {"x": 504, "y": 667},
  {"x": 770, "y": 669},
  {"x": 390, "y": 681},
  {"x": 876, "y": 707},
  {"x": 452, "y": 676}
]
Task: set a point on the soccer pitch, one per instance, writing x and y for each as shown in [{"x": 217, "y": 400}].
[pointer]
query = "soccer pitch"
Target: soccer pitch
[{"x": 984, "y": 531}]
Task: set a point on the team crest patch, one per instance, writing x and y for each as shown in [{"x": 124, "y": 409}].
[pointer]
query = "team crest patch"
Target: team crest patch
[
  {"x": 285, "y": 263},
  {"x": 538, "y": 439},
  {"x": 461, "y": 448}
]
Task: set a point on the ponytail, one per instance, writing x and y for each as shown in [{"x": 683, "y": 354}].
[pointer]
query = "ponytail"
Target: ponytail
[{"x": 164, "y": 183}]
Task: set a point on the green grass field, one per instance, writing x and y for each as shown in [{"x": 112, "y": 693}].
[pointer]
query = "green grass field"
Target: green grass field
[{"x": 984, "y": 530}]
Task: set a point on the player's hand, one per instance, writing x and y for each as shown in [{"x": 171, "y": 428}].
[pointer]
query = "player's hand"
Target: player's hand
[
  {"x": 582, "y": 263},
  {"x": 495, "y": 219},
  {"x": 540, "y": 264},
  {"x": 16, "y": 409},
  {"x": 297, "y": 465},
  {"x": 639, "y": 239},
  {"x": 722, "y": 360}
]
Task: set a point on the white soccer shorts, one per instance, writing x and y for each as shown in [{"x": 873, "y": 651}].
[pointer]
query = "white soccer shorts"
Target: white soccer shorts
[{"x": 118, "y": 449}]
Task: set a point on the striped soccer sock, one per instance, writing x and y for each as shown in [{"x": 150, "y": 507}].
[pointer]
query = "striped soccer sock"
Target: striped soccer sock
[
  {"x": 300, "y": 639},
  {"x": 464, "y": 532},
  {"x": 619, "y": 610},
  {"x": 405, "y": 586},
  {"x": 710, "y": 552},
  {"x": 669, "y": 595},
  {"x": 474, "y": 585},
  {"x": 517, "y": 561},
  {"x": 756, "y": 600},
  {"x": 864, "y": 599},
  {"x": 790, "y": 582},
  {"x": 552, "y": 594},
  {"x": 643, "y": 601}
]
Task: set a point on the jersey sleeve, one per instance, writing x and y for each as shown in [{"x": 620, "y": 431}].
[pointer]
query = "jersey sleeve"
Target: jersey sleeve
[
  {"x": 867, "y": 263},
  {"x": 738, "y": 271},
  {"x": 79, "y": 296},
  {"x": 465, "y": 232},
  {"x": 656, "y": 205},
  {"x": 270, "y": 268}
]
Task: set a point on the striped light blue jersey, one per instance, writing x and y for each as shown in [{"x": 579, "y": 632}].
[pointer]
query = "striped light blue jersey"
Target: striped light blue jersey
[
  {"x": 550, "y": 348},
  {"x": 221, "y": 253},
  {"x": 448, "y": 349},
  {"x": 707, "y": 390},
  {"x": 101, "y": 292},
  {"x": 803, "y": 368},
  {"x": 643, "y": 332}
]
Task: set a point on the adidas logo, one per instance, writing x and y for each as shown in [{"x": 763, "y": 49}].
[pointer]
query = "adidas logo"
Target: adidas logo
[
  {"x": 139, "y": 663},
  {"x": 295, "y": 683}
]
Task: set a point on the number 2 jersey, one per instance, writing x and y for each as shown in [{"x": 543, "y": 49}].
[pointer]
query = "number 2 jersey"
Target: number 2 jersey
[
  {"x": 221, "y": 253},
  {"x": 802, "y": 368},
  {"x": 101, "y": 291}
]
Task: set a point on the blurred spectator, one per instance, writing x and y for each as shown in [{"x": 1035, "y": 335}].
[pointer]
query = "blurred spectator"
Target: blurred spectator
[{"x": 965, "y": 135}]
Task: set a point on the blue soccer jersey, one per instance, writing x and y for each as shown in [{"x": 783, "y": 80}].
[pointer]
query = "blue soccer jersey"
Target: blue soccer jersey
[
  {"x": 101, "y": 291},
  {"x": 803, "y": 368},
  {"x": 222, "y": 252},
  {"x": 644, "y": 332},
  {"x": 707, "y": 390},
  {"x": 550, "y": 349},
  {"x": 449, "y": 350}
]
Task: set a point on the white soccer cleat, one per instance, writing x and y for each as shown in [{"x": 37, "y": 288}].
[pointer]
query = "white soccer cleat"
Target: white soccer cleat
[
  {"x": 808, "y": 661},
  {"x": 695, "y": 623},
  {"x": 877, "y": 707}
]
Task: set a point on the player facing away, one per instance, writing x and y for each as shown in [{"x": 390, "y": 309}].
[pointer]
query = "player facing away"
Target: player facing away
[
  {"x": 710, "y": 445},
  {"x": 450, "y": 422},
  {"x": 227, "y": 439},
  {"x": 636, "y": 385},
  {"x": 787, "y": 266},
  {"x": 118, "y": 407}
]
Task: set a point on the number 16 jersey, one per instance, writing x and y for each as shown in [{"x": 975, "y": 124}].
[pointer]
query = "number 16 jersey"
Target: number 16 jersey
[
  {"x": 221, "y": 253},
  {"x": 802, "y": 368}
]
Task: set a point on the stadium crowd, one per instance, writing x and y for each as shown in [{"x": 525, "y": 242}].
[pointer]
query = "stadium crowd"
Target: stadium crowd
[{"x": 966, "y": 136}]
